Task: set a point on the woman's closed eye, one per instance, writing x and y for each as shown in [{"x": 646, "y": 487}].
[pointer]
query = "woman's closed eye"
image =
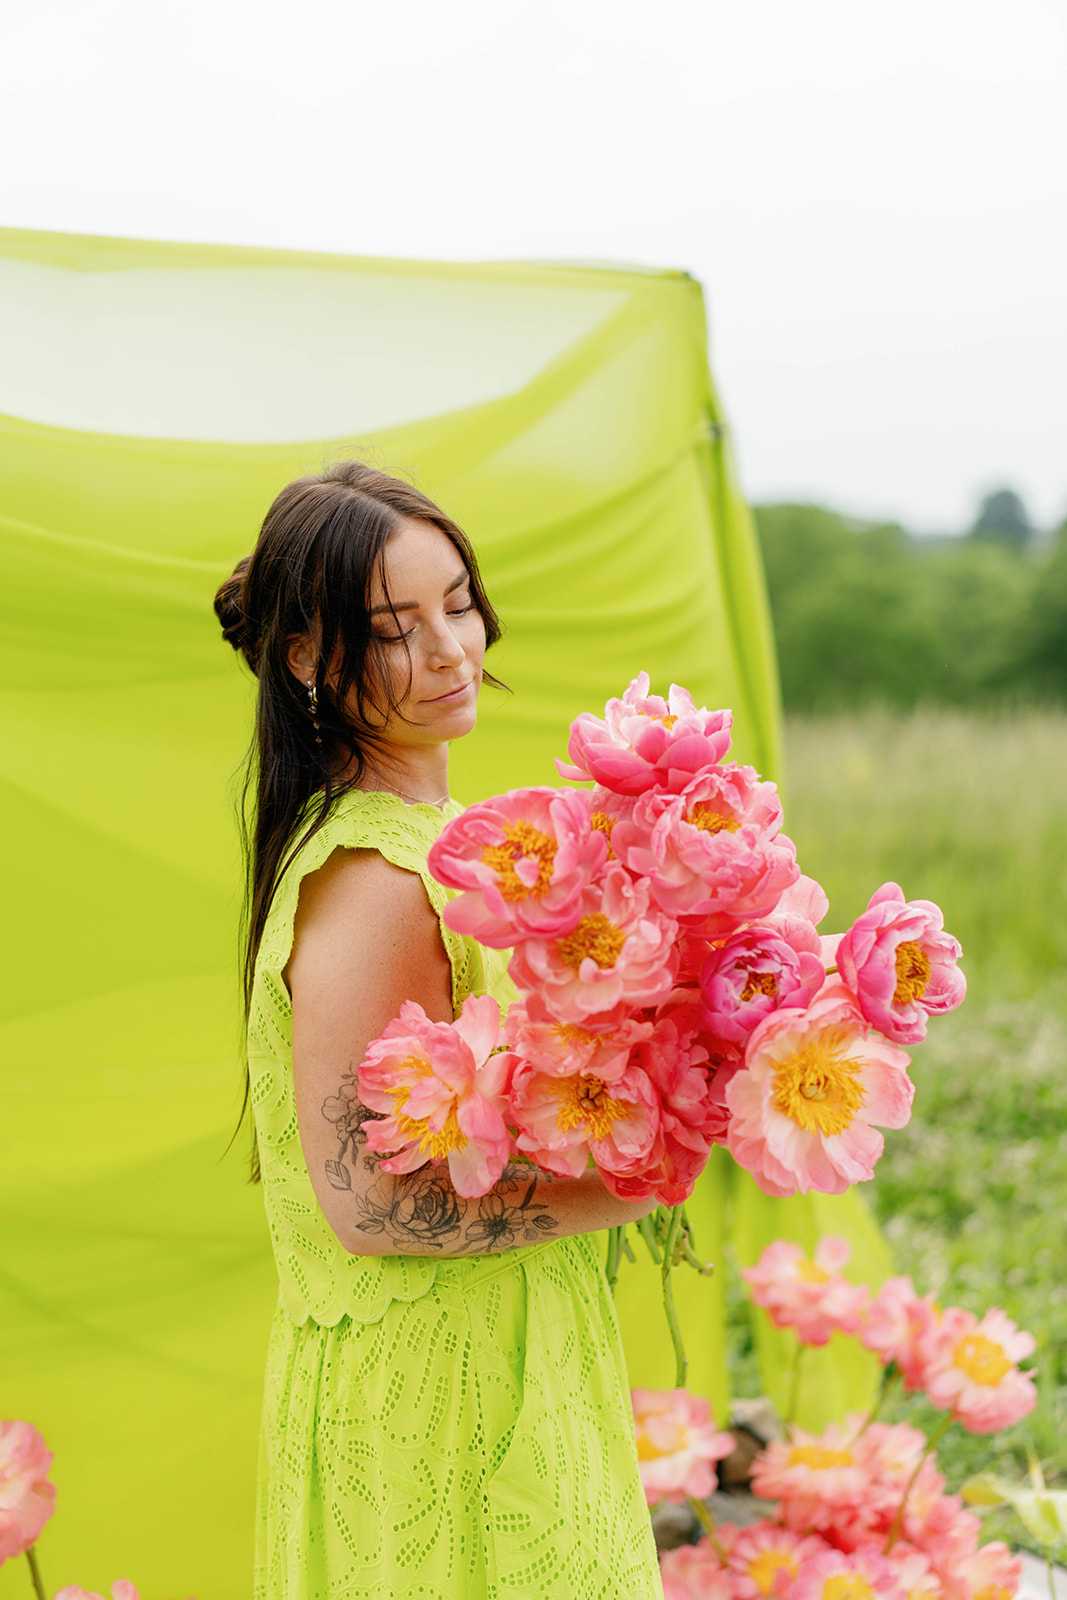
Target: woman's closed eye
[{"x": 397, "y": 638}]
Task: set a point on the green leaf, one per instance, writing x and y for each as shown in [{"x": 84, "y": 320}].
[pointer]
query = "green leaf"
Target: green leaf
[{"x": 1042, "y": 1512}]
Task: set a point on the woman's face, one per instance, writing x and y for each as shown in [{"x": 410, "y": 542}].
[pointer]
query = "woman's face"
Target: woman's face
[{"x": 444, "y": 632}]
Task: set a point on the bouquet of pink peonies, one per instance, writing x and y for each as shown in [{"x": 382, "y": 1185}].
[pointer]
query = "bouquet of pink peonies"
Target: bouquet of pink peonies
[{"x": 674, "y": 989}]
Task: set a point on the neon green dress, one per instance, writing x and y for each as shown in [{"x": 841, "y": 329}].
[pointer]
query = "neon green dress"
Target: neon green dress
[{"x": 454, "y": 1429}]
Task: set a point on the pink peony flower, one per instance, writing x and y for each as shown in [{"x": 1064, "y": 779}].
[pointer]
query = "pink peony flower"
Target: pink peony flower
[
  {"x": 677, "y": 1443},
  {"x": 442, "y": 1089},
  {"x": 673, "y": 1060},
  {"x": 121, "y": 1589},
  {"x": 600, "y": 1045},
  {"x": 754, "y": 972},
  {"x": 808, "y": 1295},
  {"x": 815, "y": 1083},
  {"x": 27, "y": 1496},
  {"x": 767, "y": 1557},
  {"x": 712, "y": 853},
  {"x": 913, "y": 1570},
  {"x": 645, "y": 742},
  {"x": 991, "y": 1573},
  {"x": 943, "y": 1529},
  {"x": 900, "y": 964},
  {"x": 856, "y": 1575},
  {"x": 694, "y": 1571},
  {"x": 970, "y": 1369},
  {"x": 617, "y": 951},
  {"x": 896, "y": 1325},
  {"x": 813, "y": 1475},
  {"x": 522, "y": 860},
  {"x": 563, "y": 1118}
]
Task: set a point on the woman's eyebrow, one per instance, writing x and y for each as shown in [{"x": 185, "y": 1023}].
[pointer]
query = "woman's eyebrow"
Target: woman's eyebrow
[{"x": 413, "y": 605}]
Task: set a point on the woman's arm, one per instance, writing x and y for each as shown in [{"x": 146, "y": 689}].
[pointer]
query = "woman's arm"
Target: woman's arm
[{"x": 365, "y": 940}]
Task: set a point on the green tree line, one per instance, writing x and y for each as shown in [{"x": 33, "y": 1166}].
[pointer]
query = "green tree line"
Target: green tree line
[{"x": 868, "y": 612}]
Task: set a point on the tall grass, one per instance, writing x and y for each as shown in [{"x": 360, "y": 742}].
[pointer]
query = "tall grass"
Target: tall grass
[{"x": 971, "y": 811}]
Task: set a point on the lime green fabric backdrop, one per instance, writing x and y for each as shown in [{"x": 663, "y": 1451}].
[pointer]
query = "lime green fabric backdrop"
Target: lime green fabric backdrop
[{"x": 154, "y": 397}]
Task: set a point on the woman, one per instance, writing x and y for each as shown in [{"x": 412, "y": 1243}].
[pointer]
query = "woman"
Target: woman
[{"x": 446, "y": 1411}]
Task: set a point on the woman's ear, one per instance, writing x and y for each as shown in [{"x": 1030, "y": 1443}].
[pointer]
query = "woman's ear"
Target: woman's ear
[{"x": 302, "y": 657}]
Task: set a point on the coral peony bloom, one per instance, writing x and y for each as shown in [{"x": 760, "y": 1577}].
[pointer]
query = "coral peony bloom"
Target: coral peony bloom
[
  {"x": 943, "y": 1529},
  {"x": 897, "y": 1322},
  {"x": 677, "y": 1443},
  {"x": 563, "y": 1118},
  {"x": 522, "y": 860},
  {"x": 752, "y": 973},
  {"x": 970, "y": 1369},
  {"x": 27, "y": 1496},
  {"x": 855, "y": 1575},
  {"x": 767, "y": 1557},
  {"x": 694, "y": 1571},
  {"x": 674, "y": 1061},
  {"x": 900, "y": 964},
  {"x": 121, "y": 1589},
  {"x": 600, "y": 1045},
  {"x": 617, "y": 951},
  {"x": 813, "y": 1475},
  {"x": 806, "y": 1294},
  {"x": 913, "y": 1569},
  {"x": 814, "y": 1085},
  {"x": 991, "y": 1573},
  {"x": 442, "y": 1087},
  {"x": 712, "y": 853},
  {"x": 645, "y": 742}
]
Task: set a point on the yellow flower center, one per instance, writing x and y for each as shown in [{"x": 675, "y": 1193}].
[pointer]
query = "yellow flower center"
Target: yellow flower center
[
  {"x": 818, "y": 1085},
  {"x": 705, "y": 817},
  {"x": 571, "y": 1033},
  {"x": 584, "y": 1101},
  {"x": 810, "y": 1272},
  {"x": 521, "y": 839},
  {"x": 819, "y": 1456},
  {"x": 913, "y": 972},
  {"x": 760, "y": 983},
  {"x": 595, "y": 936},
  {"x": 669, "y": 720},
  {"x": 604, "y": 823},
  {"x": 982, "y": 1359},
  {"x": 993, "y": 1591},
  {"x": 764, "y": 1569},
  {"x": 647, "y": 1450},
  {"x": 436, "y": 1144},
  {"x": 847, "y": 1586}
]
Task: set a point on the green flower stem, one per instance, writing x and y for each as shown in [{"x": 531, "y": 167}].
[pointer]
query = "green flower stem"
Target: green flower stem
[
  {"x": 890, "y": 1382},
  {"x": 35, "y": 1573},
  {"x": 680, "y": 1362},
  {"x": 898, "y": 1520},
  {"x": 794, "y": 1388},
  {"x": 707, "y": 1522},
  {"x": 647, "y": 1229},
  {"x": 614, "y": 1251}
]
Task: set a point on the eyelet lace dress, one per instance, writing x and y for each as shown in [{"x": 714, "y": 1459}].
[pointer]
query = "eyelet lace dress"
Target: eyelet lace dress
[{"x": 455, "y": 1429}]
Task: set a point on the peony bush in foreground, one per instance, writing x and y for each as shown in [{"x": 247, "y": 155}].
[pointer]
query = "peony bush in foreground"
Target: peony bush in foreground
[{"x": 859, "y": 1511}]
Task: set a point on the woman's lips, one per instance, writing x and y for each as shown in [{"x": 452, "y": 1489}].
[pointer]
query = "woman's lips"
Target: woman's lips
[{"x": 453, "y": 694}]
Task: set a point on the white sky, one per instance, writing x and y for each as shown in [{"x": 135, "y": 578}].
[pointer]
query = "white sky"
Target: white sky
[{"x": 873, "y": 195}]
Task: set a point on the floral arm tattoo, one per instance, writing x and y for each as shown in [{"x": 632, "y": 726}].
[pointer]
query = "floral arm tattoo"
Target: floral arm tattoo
[{"x": 422, "y": 1207}]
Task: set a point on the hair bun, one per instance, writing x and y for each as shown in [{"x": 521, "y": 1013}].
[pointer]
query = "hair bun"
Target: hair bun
[{"x": 230, "y": 610}]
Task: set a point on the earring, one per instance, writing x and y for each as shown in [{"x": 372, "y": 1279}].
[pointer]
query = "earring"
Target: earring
[{"x": 313, "y": 707}]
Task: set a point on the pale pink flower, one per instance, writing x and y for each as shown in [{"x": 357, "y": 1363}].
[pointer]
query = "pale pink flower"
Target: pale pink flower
[
  {"x": 694, "y": 1571},
  {"x": 522, "y": 860},
  {"x": 901, "y": 965},
  {"x": 674, "y": 1061},
  {"x": 808, "y": 1294},
  {"x": 27, "y": 1495},
  {"x": 815, "y": 1084},
  {"x": 754, "y": 972},
  {"x": 970, "y": 1369},
  {"x": 645, "y": 742},
  {"x": 121, "y": 1589},
  {"x": 563, "y": 1118},
  {"x": 943, "y": 1529},
  {"x": 712, "y": 853},
  {"x": 897, "y": 1322},
  {"x": 617, "y": 951},
  {"x": 799, "y": 912},
  {"x": 677, "y": 1443},
  {"x": 855, "y": 1575},
  {"x": 766, "y": 1557},
  {"x": 991, "y": 1573},
  {"x": 913, "y": 1570},
  {"x": 442, "y": 1087},
  {"x": 600, "y": 1045},
  {"x": 812, "y": 1475}
]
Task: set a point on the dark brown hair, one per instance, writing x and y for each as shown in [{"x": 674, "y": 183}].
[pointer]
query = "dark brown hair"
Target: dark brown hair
[{"x": 321, "y": 543}]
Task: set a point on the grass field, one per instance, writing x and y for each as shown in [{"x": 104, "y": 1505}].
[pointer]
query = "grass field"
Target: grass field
[{"x": 969, "y": 811}]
